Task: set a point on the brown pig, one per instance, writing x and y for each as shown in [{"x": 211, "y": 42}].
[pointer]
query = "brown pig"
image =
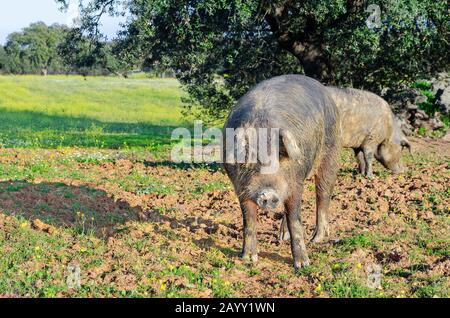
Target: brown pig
[
  {"x": 306, "y": 119},
  {"x": 370, "y": 128}
]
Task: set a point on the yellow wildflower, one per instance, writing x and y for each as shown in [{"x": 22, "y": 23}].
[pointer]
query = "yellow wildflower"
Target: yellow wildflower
[{"x": 318, "y": 288}]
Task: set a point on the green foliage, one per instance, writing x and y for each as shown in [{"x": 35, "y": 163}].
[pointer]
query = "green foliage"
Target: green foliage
[
  {"x": 56, "y": 49},
  {"x": 89, "y": 56},
  {"x": 34, "y": 50},
  {"x": 360, "y": 240},
  {"x": 221, "y": 48},
  {"x": 3, "y": 58},
  {"x": 429, "y": 106}
]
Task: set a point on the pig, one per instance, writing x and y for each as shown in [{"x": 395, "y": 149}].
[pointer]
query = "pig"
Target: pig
[
  {"x": 370, "y": 128},
  {"x": 308, "y": 122}
]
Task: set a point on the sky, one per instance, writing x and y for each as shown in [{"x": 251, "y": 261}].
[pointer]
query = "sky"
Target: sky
[{"x": 17, "y": 14}]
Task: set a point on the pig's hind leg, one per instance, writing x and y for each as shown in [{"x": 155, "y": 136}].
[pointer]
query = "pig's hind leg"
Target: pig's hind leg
[
  {"x": 359, "y": 154},
  {"x": 284, "y": 230},
  {"x": 325, "y": 180}
]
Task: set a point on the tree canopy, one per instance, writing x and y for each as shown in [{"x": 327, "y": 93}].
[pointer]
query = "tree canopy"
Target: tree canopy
[
  {"x": 34, "y": 49},
  {"x": 219, "y": 48},
  {"x": 87, "y": 56},
  {"x": 3, "y": 57},
  {"x": 56, "y": 49}
]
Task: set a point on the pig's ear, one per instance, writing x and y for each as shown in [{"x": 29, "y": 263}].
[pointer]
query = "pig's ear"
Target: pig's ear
[
  {"x": 406, "y": 144},
  {"x": 287, "y": 141}
]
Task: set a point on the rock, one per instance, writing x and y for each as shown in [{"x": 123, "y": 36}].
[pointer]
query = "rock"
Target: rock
[
  {"x": 405, "y": 126},
  {"x": 41, "y": 226},
  {"x": 420, "y": 114},
  {"x": 441, "y": 81},
  {"x": 426, "y": 215},
  {"x": 419, "y": 98},
  {"x": 446, "y": 136},
  {"x": 443, "y": 100},
  {"x": 405, "y": 103},
  {"x": 441, "y": 87},
  {"x": 435, "y": 122},
  {"x": 420, "y": 119},
  {"x": 142, "y": 216},
  {"x": 395, "y": 255}
]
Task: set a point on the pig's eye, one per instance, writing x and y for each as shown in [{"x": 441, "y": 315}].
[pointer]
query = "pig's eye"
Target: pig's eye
[{"x": 283, "y": 153}]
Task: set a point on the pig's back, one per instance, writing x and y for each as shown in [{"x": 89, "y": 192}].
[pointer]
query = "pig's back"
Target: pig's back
[
  {"x": 294, "y": 102},
  {"x": 364, "y": 116}
]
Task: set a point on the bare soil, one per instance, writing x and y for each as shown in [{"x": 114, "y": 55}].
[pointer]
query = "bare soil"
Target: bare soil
[{"x": 380, "y": 221}]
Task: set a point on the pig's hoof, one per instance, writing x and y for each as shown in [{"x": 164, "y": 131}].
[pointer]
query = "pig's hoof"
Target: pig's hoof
[
  {"x": 320, "y": 235},
  {"x": 318, "y": 238},
  {"x": 284, "y": 236},
  {"x": 254, "y": 258},
  {"x": 300, "y": 265},
  {"x": 250, "y": 257}
]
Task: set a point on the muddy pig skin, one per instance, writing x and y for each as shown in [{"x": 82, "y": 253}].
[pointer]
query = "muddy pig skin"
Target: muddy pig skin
[
  {"x": 309, "y": 144},
  {"x": 369, "y": 127}
]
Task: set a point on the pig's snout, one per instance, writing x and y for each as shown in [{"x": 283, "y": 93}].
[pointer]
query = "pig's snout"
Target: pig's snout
[
  {"x": 399, "y": 168},
  {"x": 267, "y": 198}
]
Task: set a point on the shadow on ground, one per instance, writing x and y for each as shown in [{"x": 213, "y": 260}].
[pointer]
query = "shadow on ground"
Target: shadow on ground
[
  {"x": 214, "y": 166},
  {"x": 25, "y": 128},
  {"x": 85, "y": 209}
]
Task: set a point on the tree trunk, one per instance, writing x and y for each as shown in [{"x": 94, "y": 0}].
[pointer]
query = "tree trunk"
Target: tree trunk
[
  {"x": 314, "y": 60},
  {"x": 307, "y": 46}
]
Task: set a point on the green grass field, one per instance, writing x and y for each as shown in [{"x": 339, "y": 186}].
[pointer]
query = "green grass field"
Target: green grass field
[
  {"x": 103, "y": 112},
  {"x": 86, "y": 182}
]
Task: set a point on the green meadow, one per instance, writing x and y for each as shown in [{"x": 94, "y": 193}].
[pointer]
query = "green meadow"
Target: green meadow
[{"x": 104, "y": 112}]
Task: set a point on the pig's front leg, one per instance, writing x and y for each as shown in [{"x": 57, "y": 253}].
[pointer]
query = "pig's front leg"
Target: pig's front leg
[
  {"x": 249, "y": 250},
  {"x": 368, "y": 157},
  {"x": 294, "y": 223}
]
